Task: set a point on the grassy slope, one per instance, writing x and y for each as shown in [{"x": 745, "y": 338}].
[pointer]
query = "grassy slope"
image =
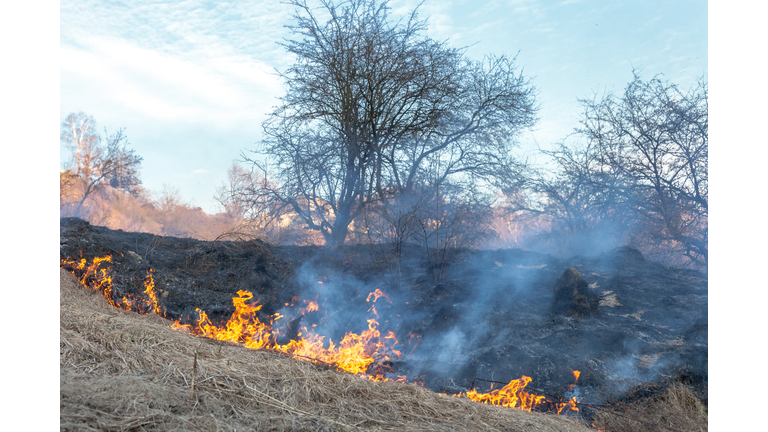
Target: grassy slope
[{"x": 124, "y": 371}]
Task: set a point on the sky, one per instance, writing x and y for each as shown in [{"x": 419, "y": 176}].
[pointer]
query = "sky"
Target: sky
[{"x": 192, "y": 81}]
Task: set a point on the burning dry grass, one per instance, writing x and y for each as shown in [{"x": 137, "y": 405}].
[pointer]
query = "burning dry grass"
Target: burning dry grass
[{"x": 124, "y": 371}]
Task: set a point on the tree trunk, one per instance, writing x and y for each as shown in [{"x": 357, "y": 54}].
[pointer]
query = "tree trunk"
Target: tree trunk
[{"x": 340, "y": 230}]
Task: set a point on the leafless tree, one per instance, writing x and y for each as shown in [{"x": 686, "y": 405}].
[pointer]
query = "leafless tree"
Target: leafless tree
[
  {"x": 78, "y": 131},
  {"x": 232, "y": 195},
  {"x": 450, "y": 227},
  {"x": 252, "y": 213},
  {"x": 99, "y": 162},
  {"x": 571, "y": 197},
  {"x": 389, "y": 227},
  {"x": 66, "y": 186},
  {"x": 371, "y": 104},
  {"x": 172, "y": 211},
  {"x": 645, "y": 153}
]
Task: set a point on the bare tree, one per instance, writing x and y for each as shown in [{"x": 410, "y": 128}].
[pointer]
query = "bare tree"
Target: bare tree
[
  {"x": 171, "y": 212},
  {"x": 372, "y": 103},
  {"x": 232, "y": 195},
  {"x": 252, "y": 213},
  {"x": 646, "y": 153},
  {"x": 78, "y": 131},
  {"x": 574, "y": 197},
  {"x": 66, "y": 186},
  {"x": 99, "y": 162},
  {"x": 450, "y": 227},
  {"x": 389, "y": 227}
]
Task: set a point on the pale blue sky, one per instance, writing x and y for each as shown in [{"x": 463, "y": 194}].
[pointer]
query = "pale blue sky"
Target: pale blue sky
[{"x": 191, "y": 81}]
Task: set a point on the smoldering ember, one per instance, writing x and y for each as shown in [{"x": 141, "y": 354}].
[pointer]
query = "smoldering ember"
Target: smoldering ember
[{"x": 496, "y": 315}]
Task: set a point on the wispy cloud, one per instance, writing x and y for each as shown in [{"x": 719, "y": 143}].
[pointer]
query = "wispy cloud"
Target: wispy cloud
[
  {"x": 166, "y": 87},
  {"x": 543, "y": 29},
  {"x": 527, "y": 7},
  {"x": 177, "y": 61},
  {"x": 182, "y": 27}
]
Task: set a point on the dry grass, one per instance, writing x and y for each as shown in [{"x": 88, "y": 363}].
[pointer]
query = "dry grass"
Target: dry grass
[
  {"x": 121, "y": 371},
  {"x": 674, "y": 408}
]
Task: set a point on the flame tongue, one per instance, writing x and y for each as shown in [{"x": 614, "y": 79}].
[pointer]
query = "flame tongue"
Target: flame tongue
[
  {"x": 150, "y": 292},
  {"x": 510, "y": 396}
]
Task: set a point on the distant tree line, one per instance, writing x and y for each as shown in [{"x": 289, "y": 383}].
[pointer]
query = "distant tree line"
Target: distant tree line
[{"x": 101, "y": 184}]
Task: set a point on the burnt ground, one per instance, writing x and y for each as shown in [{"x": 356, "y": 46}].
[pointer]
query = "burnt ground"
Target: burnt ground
[{"x": 489, "y": 317}]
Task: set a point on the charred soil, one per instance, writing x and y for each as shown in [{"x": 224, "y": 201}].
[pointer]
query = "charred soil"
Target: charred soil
[{"x": 490, "y": 316}]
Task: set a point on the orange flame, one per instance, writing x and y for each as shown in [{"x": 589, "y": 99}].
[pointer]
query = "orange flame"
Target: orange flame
[
  {"x": 376, "y": 295},
  {"x": 510, "y": 396},
  {"x": 513, "y": 396},
  {"x": 150, "y": 292},
  {"x": 312, "y": 306},
  {"x": 93, "y": 276},
  {"x": 571, "y": 404}
]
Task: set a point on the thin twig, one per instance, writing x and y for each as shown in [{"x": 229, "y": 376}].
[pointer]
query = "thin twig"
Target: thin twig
[{"x": 194, "y": 368}]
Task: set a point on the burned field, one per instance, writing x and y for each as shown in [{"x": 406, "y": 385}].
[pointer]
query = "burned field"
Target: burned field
[{"x": 494, "y": 316}]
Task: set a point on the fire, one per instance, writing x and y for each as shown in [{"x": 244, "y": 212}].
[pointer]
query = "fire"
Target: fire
[
  {"x": 312, "y": 306},
  {"x": 355, "y": 353},
  {"x": 93, "y": 276},
  {"x": 513, "y": 395},
  {"x": 571, "y": 404},
  {"x": 98, "y": 278},
  {"x": 150, "y": 292},
  {"x": 510, "y": 396},
  {"x": 376, "y": 295}
]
